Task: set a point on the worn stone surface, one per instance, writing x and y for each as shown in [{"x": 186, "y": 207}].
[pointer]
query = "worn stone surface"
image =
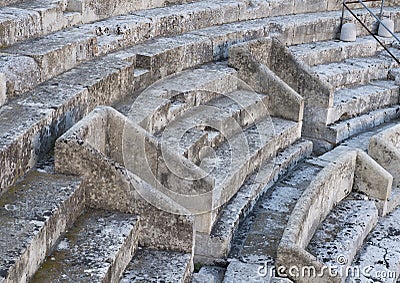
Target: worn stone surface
[
  {"x": 60, "y": 59},
  {"x": 361, "y": 99},
  {"x": 215, "y": 273},
  {"x": 343, "y": 231},
  {"x": 345, "y": 129},
  {"x": 49, "y": 110},
  {"x": 97, "y": 248},
  {"x": 333, "y": 183},
  {"x": 258, "y": 238},
  {"x": 353, "y": 71},
  {"x": 82, "y": 151},
  {"x": 247, "y": 272},
  {"x": 324, "y": 52},
  {"x": 216, "y": 246},
  {"x": 383, "y": 147},
  {"x": 33, "y": 215},
  {"x": 155, "y": 265},
  {"x": 252, "y": 62},
  {"x": 381, "y": 252},
  {"x": 197, "y": 86},
  {"x": 20, "y": 73}
]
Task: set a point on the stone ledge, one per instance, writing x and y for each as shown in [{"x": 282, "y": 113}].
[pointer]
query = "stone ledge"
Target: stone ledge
[
  {"x": 98, "y": 247},
  {"x": 214, "y": 248},
  {"x": 383, "y": 147},
  {"x": 34, "y": 214},
  {"x": 94, "y": 149},
  {"x": 339, "y": 177}
]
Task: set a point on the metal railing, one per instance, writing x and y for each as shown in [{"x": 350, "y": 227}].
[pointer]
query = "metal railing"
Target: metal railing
[{"x": 379, "y": 19}]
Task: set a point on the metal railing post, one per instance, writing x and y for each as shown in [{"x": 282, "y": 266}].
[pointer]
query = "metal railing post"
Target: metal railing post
[
  {"x": 379, "y": 19},
  {"x": 381, "y": 13},
  {"x": 342, "y": 18}
]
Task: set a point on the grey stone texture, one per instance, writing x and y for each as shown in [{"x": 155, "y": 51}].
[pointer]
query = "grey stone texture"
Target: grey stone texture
[
  {"x": 98, "y": 247},
  {"x": 158, "y": 266},
  {"x": 88, "y": 149},
  {"x": 34, "y": 215},
  {"x": 383, "y": 147},
  {"x": 203, "y": 160}
]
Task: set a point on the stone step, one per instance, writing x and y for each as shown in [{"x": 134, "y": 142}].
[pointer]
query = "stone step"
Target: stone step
[
  {"x": 354, "y": 71},
  {"x": 296, "y": 29},
  {"x": 343, "y": 231},
  {"x": 259, "y": 236},
  {"x": 333, "y": 51},
  {"x": 27, "y": 64},
  {"x": 42, "y": 58},
  {"x": 353, "y": 101},
  {"x": 149, "y": 265},
  {"x": 244, "y": 153},
  {"x": 30, "y": 19},
  {"x": 170, "y": 98},
  {"x": 343, "y": 130},
  {"x": 96, "y": 249},
  {"x": 216, "y": 246},
  {"x": 218, "y": 119},
  {"x": 238, "y": 271},
  {"x": 33, "y": 215},
  {"x": 54, "y": 53},
  {"x": 30, "y": 124},
  {"x": 209, "y": 274},
  {"x": 379, "y": 257}
]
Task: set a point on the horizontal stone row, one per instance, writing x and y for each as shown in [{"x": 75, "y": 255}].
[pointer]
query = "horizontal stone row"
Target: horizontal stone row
[
  {"x": 25, "y": 65},
  {"x": 30, "y": 19}
]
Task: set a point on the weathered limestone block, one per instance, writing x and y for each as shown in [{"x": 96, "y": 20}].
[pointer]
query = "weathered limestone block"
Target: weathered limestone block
[
  {"x": 333, "y": 183},
  {"x": 155, "y": 265},
  {"x": 85, "y": 150},
  {"x": 185, "y": 18},
  {"x": 306, "y": 6},
  {"x": 101, "y": 243},
  {"x": 357, "y": 100},
  {"x": 262, "y": 9},
  {"x": 223, "y": 37},
  {"x": 373, "y": 180},
  {"x": 386, "y": 28},
  {"x": 317, "y": 53},
  {"x": 18, "y": 24},
  {"x": 34, "y": 215},
  {"x": 215, "y": 247},
  {"x": 347, "y": 128},
  {"x": 210, "y": 81},
  {"x": 58, "y": 53},
  {"x": 51, "y": 15},
  {"x": 21, "y": 73},
  {"x": 238, "y": 271},
  {"x": 47, "y": 112},
  {"x": 245, "y": 57},
  {"x": 120, "y": 31},
  {"x": 384, "y": 148},
  {"x": 299, "y": 77},
  {"x": 305, "y": 28},
  {"x": 354, "y": 71},
  {"x": 346, "y": 170},
  {"x": 167, "y": 56}
]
